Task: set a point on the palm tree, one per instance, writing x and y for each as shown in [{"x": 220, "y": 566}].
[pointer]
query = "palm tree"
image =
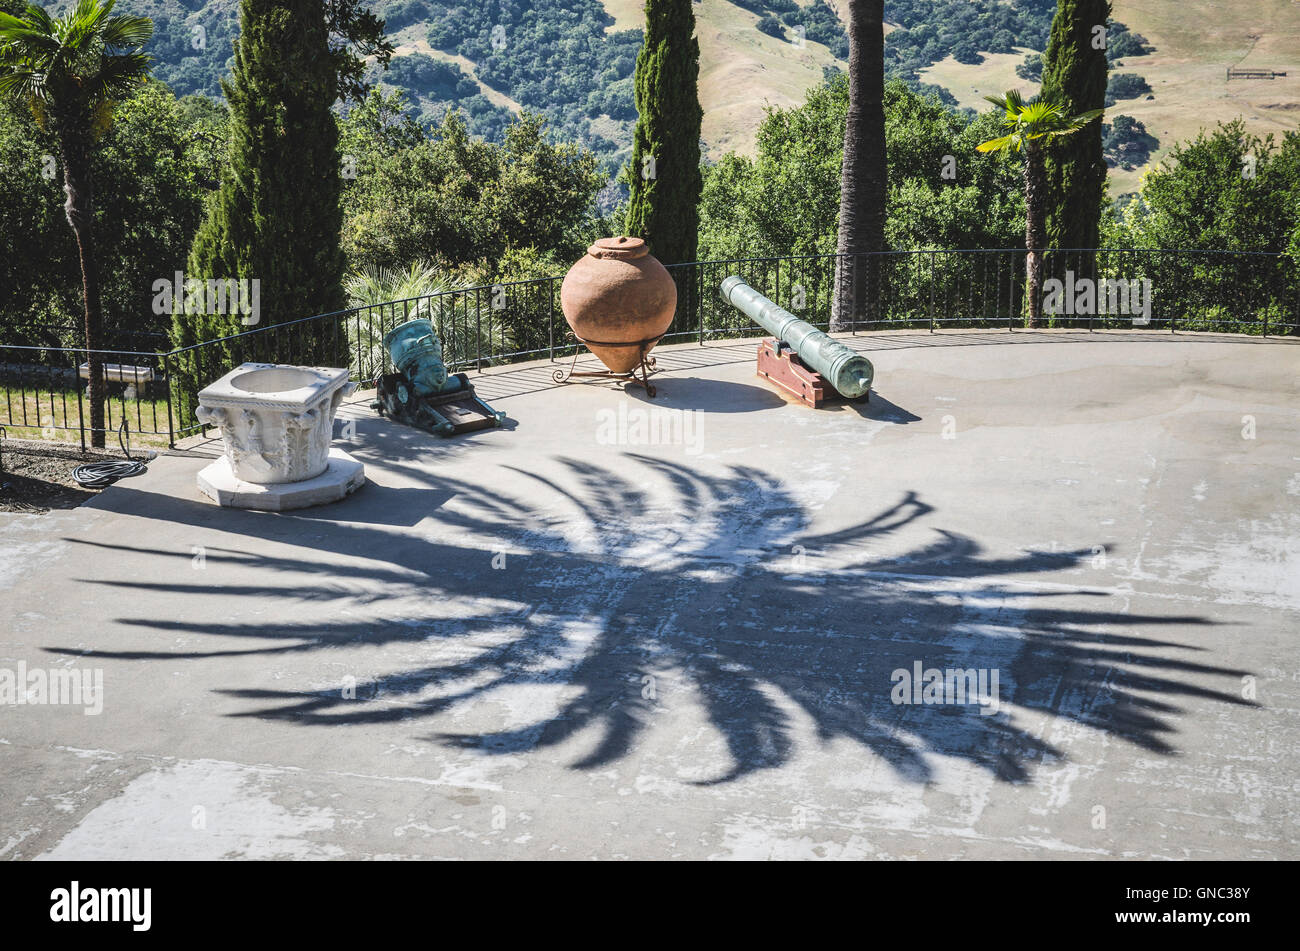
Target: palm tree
[
  {"x": 1032, "y": 124},
  {"x": 862, "y": 172},
  {"x": 385, "y": 297},
  {"x": 71, "y": 72}
]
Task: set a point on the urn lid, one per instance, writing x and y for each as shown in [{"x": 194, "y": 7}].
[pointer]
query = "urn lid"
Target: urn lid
[{"x": 622, "y": 248}]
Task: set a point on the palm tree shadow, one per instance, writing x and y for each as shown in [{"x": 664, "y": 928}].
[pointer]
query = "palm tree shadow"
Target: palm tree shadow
[{"x": 727, "y": 599}]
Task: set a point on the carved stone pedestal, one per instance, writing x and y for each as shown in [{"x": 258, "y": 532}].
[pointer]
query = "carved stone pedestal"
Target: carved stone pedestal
[
  {"x": 277, "y": 423},
  {"x": 343, "y": 475}
]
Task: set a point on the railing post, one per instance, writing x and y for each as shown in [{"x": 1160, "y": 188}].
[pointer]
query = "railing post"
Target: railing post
[
  {"x": 931, "y": 292},
  {"x": 1011, "y": 293},
  {"x": 700, "y": 274},
  {"x": 1173, "y": 313},
  {"x": 1271, "y": 297},
  {"x": 778, "y": 289},
  {"x": 478, "y": 331},
  {"x": 167, "y": 379},
  {"x": 1096, "y": 276},
  {"x": 76, "y": 381}
]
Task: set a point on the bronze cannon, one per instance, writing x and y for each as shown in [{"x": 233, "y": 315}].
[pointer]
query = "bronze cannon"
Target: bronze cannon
[{"x": 799, "y": 358}]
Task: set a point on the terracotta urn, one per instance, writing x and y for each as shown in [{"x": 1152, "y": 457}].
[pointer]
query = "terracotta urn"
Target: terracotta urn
[{"x": 617, "y": 297}]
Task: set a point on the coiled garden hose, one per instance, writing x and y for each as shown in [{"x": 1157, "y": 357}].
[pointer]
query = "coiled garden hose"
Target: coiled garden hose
[{"x": 100, "y": 475}]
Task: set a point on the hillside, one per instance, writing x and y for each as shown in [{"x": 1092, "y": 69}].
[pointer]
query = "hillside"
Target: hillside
[
  {"x": 741, "y": 69},
  {"x": 573, "y": 60},
  {"x": 1194, "y": 42}
]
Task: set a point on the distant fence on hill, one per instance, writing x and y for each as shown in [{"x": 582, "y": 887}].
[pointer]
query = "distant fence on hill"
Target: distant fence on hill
[{"x": 1237, "y": 73}]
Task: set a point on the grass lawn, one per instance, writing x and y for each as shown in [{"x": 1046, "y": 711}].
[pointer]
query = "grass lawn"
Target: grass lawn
[{"x": 31, "y": 414}]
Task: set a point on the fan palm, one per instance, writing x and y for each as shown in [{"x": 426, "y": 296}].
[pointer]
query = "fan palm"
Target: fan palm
[
  {"x": 71, "y": 71},
  {"x": 385, "y": 297},
  {"x": 1032, "y": 124}
]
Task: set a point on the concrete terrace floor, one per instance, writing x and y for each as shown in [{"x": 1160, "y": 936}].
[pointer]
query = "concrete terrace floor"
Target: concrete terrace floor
[{"x": 535, "y": 642}]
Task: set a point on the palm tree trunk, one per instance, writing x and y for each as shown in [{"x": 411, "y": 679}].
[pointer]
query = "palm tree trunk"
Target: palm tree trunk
[
  {"x": 78, "y": 185},
  {"x": 862, "y": 173},
  {"x": 1035, "y": 229}
]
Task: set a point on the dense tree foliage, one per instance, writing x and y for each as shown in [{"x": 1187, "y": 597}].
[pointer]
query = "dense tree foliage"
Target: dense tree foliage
[
  {"x": 1126, "y": 143},
  {"x": 1032, "y": 68},
  {"x": 39, "y": 283},
  {"x": 455, "y": 201},
  {"x": 771, "y": 26},
  {"x": 816, "y": 22},
  {"x": 1126, "y": 86},
  {"x": 785, "y": 200},
  {"x": 933, "y": 29},
  {"x": 437, "y": 86},
  {"x": 192, "y": 40},
  {"x": 151, "y": 169},
  {"x": 378, "y": 126},
  {"x": 552, "y": 56},
  {"x": 72, "y": 71},
  {"x": 1226, "y": 189},
  {"x": 1123, "y": 43}
]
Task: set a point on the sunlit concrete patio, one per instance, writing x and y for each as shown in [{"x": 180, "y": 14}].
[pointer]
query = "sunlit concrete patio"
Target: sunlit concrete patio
[{"x": 598, "y": 633}]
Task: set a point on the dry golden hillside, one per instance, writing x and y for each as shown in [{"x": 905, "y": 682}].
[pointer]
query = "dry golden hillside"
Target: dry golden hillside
[
  {"x": 1195, "y": 42},
  {"x": 742, "y": 70}
]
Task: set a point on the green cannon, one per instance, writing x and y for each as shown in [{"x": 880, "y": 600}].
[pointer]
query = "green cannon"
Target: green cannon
[
  {"x": 800, "y": 358},
  {"x": 422, "y": 392}
]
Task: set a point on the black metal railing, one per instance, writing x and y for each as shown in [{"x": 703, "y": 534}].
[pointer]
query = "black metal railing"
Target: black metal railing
[
  {"x": 155, "y": 393},
  {"x": 43, "y": 392}
]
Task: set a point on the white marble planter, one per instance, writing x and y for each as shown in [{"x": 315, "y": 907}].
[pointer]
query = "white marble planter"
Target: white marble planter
[{"x": 276, "y": 421}]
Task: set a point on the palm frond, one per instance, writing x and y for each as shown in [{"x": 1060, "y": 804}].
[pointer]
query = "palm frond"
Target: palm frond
[
  {"x": 127, "y": 31},
  {"x": 85, "y": 24},
  {"x": 1043, "y": 117},
  {"x": 17, "y": 34},
  {"x": 1005, "y": 143},
  {"x": 39, "y": 18},
  {"x": 118, "y": 75},
  {"x": 21, "y": 84},
  {"x": 77, "y": 64}
]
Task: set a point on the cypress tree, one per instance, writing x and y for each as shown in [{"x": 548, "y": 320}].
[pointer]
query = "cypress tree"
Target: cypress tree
[
  {"x": 1074, "y": 70},
  {"x": 664, "y": 175},
  {"x": 276, "y": 217}
]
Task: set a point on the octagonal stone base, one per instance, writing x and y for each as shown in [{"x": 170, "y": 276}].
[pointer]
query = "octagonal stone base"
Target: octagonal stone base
[{"x": 342, "y": 476}]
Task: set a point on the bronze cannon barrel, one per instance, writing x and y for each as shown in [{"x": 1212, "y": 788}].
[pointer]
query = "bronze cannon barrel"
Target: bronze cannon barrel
[{"x": 848, "y": 371}]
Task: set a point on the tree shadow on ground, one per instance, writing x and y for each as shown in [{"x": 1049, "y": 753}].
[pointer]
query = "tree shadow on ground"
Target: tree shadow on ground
[{"x": 621, "y": 589}]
